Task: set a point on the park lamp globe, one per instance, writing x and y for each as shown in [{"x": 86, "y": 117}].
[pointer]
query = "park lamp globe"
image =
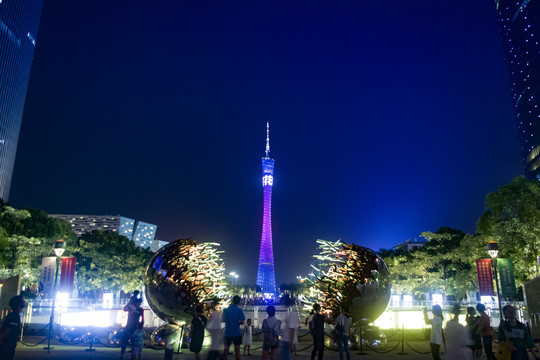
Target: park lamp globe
[
  {"x": 59, "y": 247},
  {"x": 493, "y": 249}
]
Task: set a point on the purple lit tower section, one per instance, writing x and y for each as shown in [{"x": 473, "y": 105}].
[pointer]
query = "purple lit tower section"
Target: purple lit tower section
[{"x": 266, "y": 277}]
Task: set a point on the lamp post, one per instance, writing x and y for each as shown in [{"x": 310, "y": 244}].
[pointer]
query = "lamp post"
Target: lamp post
[
  {"x": 493, "y": 250},
  {"x": 299, "y": 278},
  {"x": 59, "y": 248},
  {"x": 235, "y": 277}
]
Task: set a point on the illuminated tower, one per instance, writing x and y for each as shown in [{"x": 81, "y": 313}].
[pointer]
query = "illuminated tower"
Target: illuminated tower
[
  {"x": 266, "y": 277},
  {"x": 519, "y": 27},
  {"x": 19, "y": 22}
]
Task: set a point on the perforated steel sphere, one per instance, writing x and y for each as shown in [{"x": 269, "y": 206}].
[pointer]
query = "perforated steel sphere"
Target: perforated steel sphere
[{"x": 182, "y": 275}]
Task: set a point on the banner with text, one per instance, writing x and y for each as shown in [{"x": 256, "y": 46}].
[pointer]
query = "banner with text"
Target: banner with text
[
  {"x": 506, "y": 274},
  {"x": 46, "y": 279},
  {"x": 67, "y": 276},
  {"x": 485, "y": 277}
]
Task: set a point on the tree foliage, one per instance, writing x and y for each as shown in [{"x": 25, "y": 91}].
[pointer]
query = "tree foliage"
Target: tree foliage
[{"x": 109, "y": 261}]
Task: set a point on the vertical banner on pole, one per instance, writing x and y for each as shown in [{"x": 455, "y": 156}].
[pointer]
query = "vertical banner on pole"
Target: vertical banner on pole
[
  {"x": 506, "y": 274},
  {"x": 68, "y": 275},
  {"x": 46, "y": 279},
  {"x": 485, "y": 277}
]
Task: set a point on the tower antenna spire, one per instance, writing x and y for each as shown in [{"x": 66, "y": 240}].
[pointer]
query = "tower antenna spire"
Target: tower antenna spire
[{"x": 267, "y": 138}]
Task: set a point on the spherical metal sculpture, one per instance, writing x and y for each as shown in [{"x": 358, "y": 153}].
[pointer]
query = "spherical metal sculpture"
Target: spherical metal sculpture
[
  {"x": 182, "y": 275},
  {"x": 352, "y": 277}
]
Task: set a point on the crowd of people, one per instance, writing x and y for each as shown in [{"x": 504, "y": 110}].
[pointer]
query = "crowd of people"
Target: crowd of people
[{"x": 467, "y": 342}]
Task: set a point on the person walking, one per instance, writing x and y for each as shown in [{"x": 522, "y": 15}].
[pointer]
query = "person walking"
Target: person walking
[
  {"x": 289, "y": 337},
  {"x": 484, "y": 327},
  {"x": 216, "y": 331},
  {"x": 11, "y": 328},
  {"x": 515, "y": 335},
  {"x": 233, "y": 317},
  {"x": 458, "y": 339},
  {"x": 271, "y": 327},
  {"x": 248, "y": 333},
  {"x": 198, "y": 323},
  {"x": 341, "y": 333},
  {"x": 472, "y": 324},
  {"x": 317, "y": 331},
  {"x": 435, "y": 335}
]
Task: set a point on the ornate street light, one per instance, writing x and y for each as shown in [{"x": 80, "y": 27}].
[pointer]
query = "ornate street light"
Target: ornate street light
[
  {"x": 59, "y": 248},
  {"x": 493, "y": 250}
]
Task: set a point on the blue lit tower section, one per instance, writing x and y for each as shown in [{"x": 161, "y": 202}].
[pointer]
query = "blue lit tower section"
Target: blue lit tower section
[
  {"x": 266, "y": 277},
  {"x": 519, "y": 27},
  {"x": 19, "y": 22}
]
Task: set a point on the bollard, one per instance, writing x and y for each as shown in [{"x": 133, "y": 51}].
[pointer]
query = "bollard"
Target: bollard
[
  {"x": 93, "y": 332},
  {"x": 402, "y": 341}
]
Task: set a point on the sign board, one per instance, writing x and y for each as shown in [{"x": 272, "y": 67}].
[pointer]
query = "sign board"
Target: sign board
[
  {"x": 67, "y": 276},
  {"x": 506, "y": 274},
  {"x": 46, "y": 279},
  {"x": 485, "y": 277}
]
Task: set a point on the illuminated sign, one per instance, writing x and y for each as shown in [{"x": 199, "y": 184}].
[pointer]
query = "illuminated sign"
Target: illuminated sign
[{"x": 268, "y": 180}]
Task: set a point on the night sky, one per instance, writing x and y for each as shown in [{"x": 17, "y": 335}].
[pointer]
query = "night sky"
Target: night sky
[{"x": 387, "y": 119}]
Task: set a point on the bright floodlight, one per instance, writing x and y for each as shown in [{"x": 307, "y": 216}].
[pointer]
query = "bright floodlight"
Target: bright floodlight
[
  {"x": 59, "y": 247},
  {"x": 493, "y": 249}
]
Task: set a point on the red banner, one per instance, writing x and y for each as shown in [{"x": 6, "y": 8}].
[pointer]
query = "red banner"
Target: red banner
[
  {"x": 485, "y": 277},
  {"x": 67, "y": 276}
]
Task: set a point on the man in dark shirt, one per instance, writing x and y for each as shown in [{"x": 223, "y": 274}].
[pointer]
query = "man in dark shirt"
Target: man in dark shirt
[
  {"x": 11, "y": 328},
  {"x": 317, "y": 330}
]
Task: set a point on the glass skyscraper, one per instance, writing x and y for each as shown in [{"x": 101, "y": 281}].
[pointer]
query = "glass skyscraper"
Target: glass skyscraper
[
  {"x": 266, "y": 278},
  {"x": 19, "y": 22},
  {"x": 519, "y": 27}
]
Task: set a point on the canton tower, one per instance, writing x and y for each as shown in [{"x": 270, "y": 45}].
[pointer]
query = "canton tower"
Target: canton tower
[{"x": 266, "y": 278}]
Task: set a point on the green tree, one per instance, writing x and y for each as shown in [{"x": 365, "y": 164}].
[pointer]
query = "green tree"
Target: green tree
[
  {"x": 107, "y": 261},
  {"x": 512, "y": 218}
]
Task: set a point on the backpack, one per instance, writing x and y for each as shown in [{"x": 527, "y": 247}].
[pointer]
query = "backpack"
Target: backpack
[
  {"x": 339, "y": 332},
  {"x": 271, "y": 336}
]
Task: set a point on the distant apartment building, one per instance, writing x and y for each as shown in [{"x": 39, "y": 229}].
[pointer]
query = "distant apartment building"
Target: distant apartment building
[
  {"x": 409, "y": 245},
  {"x": 139, "y": 231}
]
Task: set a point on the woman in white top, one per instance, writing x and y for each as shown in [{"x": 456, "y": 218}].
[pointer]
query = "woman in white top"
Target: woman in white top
[{"x": 435, "y": 336}]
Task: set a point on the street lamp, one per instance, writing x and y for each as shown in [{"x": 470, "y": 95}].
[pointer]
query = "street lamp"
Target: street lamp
[
  {"x": 59, "y": 248},
  {"x": 234, "y": 276},
  {"x": 299, "y": 278},
  {"x": 493, "y": 250}
]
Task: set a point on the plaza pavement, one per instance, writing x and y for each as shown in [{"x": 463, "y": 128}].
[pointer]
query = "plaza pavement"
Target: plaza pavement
[{"x": 61, "y": 351}]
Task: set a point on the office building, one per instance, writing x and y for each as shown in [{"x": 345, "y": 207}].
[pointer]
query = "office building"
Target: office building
[
  {"x": 519, "y": 28},
  {"x": 19, "y": 22}
]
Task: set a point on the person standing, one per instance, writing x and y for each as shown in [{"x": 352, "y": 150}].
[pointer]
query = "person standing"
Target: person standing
[
  {"x": 135, "y": 317},
  {"x": 472, "y": 324},
  {"x": 341, "y": 333},
  {"x": 216, "y": 332},
  {"x": 198, "y": 323},
  {"x": 435, "y": 335},
  {"x": 484, "y": 327},
  {"x": 11, "y": 328},
  {"x": 517, "y": 333},
  {"x": 317, "y": 331},
  {"x": 271, "y": 327},
  {"x": 138, "y": 342},
  {"x": 289, "y": 337},
  {"x": 248, "y": 333},
  {"x": 233, "y": 317}
]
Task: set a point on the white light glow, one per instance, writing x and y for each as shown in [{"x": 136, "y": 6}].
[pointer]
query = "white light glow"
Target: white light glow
[
  {"x": 437, "y": 299},
  {"x": 107, "y": 300},
  {"x": 268, "y": 180},
  {"x": 407, "y": 301}
]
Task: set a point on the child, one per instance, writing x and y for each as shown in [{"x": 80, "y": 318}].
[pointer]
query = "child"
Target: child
[
  {"x": 248, "y": 331},
  {"x": 138, "y": 342},
  {"x": 197, "y": 332}
]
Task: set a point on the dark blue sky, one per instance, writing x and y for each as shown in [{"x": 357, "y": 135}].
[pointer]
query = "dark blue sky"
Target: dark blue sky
[{"x": 388, "y": 118}]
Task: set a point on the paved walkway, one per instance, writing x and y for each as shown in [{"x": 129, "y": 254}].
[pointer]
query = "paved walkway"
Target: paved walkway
[{"x": 61, "y": 351}]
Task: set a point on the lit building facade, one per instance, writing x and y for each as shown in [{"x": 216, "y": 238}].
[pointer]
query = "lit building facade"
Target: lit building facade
[
  {"x": 519, "y": 28},
  {"x": 19, "y": 22},
  {"x": 266, "y": 278},
  {"x": 142, "y": 233}
]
